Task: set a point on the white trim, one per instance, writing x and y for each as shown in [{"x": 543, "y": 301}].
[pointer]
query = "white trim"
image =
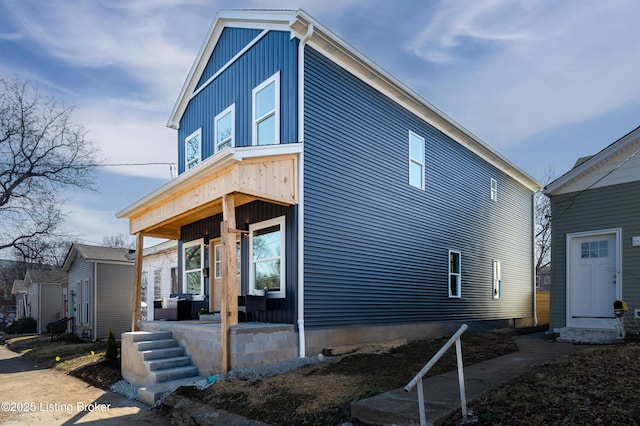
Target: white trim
[
  {"x": 281, "y": 222},
  {"x": 184, "y": 268},
  {"x": 420, "y": 162},
  {"x": 274, "y": 79},
  {"x": 457, "y": 274},
  {"x": 600, "y": 323},
  {"x": 232, "y": 137},
  {"x": 197, "y": 161}
]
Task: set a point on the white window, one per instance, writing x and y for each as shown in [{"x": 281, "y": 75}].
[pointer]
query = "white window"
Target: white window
[
  {"x": 157, "y": 284},
  {"x": 267, "y": 248},
  {"x": 494, "y": 190},
  {"x": 266, "y": 112},
  {"x": 224, "y": 128},
  {"x": 86, "y": 302},
  {"x": 497, "y": 279},
  {"x": 455, "y": 275},
  {"x": 416, "y": 160},
  {"x": 192, "y": 149},
  {"x": 217, "y": 259},
  {"x": 193, "y": 262}
]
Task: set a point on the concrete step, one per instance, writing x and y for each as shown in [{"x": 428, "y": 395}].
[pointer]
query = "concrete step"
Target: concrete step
[
  {"x": 156, "y": 344},
  {"x": 598, "y": 336},
  {"x": 139, "y": 336},
  {"x": 160, "y": 353},
  {"x": 169, "y": 374},
  {"x": 167, "y": 363},
  {"x": 150, "y": 394}
]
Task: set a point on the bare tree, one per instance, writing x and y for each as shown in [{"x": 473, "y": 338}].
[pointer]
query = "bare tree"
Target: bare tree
[
  {"x": 119, "y": 240},
  {"x": 543, "y": 225},
  {"x": 42, "y": 153}
]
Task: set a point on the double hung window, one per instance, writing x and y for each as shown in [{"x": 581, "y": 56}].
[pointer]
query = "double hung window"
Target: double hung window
[
  {"x": 416, "y": 160},
  {"x": 193, "y": 263},
  {"x": 267, "y": 248},
  {"x": 192, "y": 149},
  {"x": 455, "y": 275},
  {"x": 266, "y": 112},
  {"x": 497, "y": 279},
  {"x": 494, "y": 190},
  {"x": 224, "y": 128}
]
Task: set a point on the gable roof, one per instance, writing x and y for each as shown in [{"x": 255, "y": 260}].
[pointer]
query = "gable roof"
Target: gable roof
[
  {"x": 18, "y": 287},
  {"x": 44, "y": 276},
  {"x": 617, "y": 163},
  {"x": 302, "y": 25},
  {"x": 97, "y": 254}
]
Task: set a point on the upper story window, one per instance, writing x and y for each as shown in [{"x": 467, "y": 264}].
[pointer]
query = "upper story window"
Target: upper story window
[
  {"x": 224, "y": 128},
  {"x": 494, "y": 190},
  {"x": 455, "y": 274},
  {"x": 266, "y": 112},
  {"x": 192, "y": 149},
  {"x": 193, "y": 264},
  {"x": 416, "y": 160},
  {"x": 267, "y": 248}
]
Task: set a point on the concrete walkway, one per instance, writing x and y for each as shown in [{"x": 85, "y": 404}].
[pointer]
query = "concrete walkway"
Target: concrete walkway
[
  {"x": 30, "y": 395},
  {"x": 442, "y": 393}
]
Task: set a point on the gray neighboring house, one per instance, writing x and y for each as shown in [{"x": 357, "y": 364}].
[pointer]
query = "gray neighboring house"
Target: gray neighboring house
[
  {"x": 100, "y": 290},
  {"x": 595, "y": 245},
  {"x": 44, "y": 296}
]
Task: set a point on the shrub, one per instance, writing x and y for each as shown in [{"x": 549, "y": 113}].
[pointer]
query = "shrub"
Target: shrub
[
  {"x": 111, "y": 352},
  {"x": 24, "y": 325}
]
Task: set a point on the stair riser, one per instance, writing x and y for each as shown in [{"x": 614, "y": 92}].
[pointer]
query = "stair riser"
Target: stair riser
[
  {"x": 156, "y": 344},
  {"x": 162, "y": 364},
  {"x": 151, "y": 335},
  {"x": 162, "y": 353},
  {"x": 168, "y": 375}
]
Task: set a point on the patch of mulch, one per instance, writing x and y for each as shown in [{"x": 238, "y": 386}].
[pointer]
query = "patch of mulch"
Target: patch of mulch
[
  {"x": 321, "y": 394},
  {"x": 101, "y": 374}
]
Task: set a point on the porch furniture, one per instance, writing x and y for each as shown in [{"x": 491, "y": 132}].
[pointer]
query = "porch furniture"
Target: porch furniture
[
  {"x": 194, "y": 305},
  {"x": 178, "y": 311},
  {"x": 253, "y": 305}
]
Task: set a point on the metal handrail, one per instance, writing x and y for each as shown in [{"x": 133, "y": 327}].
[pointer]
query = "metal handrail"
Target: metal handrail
[{"x": 417, "y": 380}]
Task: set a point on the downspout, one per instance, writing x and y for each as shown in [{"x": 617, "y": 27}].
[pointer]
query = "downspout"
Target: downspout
[
  {"x": 95, "y": 301},
  {"x": 535, "y": 276},
  {"x": 301, "y": 334}
]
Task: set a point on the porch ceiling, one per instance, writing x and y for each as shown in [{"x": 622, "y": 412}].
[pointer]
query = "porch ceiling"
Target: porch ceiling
[{"x": 248, "y": 173}]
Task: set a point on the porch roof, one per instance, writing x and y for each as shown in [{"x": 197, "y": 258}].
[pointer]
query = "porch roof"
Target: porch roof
[{"x": 267, "y": 173}]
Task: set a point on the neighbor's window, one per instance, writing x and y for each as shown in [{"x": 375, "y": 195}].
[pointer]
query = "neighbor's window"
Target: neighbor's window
[
  {"x": 86, "y": 302},
  {"x": 416, "y": 160},
  {"x": 192, "y": 148},
  {"x": 217, "y": 260},
  {"x": 174, "y": 280},
  {"x": 157, "y": 284},
  {"x": 497, "y": 279},
  {"x": 266, "y": 112},
  {"x": 494, "y": 190},
  {"x": 267, "y": 247},
  {"x": 143, "y": 292},
  {"x": 224, "y": 124},
  {"x": 193, "y": 263},
  {"x": 454, "y": 274}
]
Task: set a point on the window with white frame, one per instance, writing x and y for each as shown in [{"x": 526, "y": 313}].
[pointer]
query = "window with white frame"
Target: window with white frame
[
  {"x": 455, "y": 275},
  {"x": 86, "y": 302},
  {"x": 157, "y": 284},
  {"x": 267, "y": 264},
  {"x": 416, "y": 160},
  {"x": 193, "y": 262},
  {"x": 224, "y": 128},
  {"x": 217, "y": 260},
  {"x": 143, "y": 284},
  {"x": 497, "y": 279},
  {"x": 494, "y": 190},
  {"x": 266, "y": 112},
  {"x": 192, "y": 149}
]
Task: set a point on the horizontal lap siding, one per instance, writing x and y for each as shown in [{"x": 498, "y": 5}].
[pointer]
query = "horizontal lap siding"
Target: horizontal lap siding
[
  {"x": 274, "y": 52},
  {"x": 596, "y": 209},
  {"x": 376, "y": 249},
  {"x": 115, "y": 296}
]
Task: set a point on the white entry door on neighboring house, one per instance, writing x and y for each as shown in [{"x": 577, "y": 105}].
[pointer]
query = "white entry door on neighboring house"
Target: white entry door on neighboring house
[{"x": 593, "y": 278}]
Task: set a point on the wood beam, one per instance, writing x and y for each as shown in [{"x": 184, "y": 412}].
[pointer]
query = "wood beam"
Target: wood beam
[
  {"x": 229, "y": 302},
  {"x": 137, "y": 282}
]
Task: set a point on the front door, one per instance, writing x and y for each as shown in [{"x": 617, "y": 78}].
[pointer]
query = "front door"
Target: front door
[
  {"x": 215, "y": 292},
  {"x": 593, "y": 279}
]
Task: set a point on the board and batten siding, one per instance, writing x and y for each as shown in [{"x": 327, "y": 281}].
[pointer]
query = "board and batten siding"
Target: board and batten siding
[
  {"x": 376, "y": 248},
  {"x": 609, "y": 207},
  {"x": 275, "y": 52},
  {"x": 114, "y": 296}
]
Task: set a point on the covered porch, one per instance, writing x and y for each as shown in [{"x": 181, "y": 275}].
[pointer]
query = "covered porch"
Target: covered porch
[{"x": 228, "y": 180}]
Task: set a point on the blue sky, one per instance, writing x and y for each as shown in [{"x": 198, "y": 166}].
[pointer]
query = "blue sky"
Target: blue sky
[{"x": 543, "y": 82}]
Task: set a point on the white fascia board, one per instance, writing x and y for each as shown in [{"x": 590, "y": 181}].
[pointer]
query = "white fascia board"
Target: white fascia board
[
  {"x": 216, "y": 162},
  {"x": 592, "y": 163}
]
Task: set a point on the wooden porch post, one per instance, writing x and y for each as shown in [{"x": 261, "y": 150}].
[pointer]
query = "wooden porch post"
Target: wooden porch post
[
  {"x": 229, "y": 302},
  {"x": 137, "y": 282}
]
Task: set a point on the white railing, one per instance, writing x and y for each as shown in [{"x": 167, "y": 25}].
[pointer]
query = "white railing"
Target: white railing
[{"x": 417, "y": 380}]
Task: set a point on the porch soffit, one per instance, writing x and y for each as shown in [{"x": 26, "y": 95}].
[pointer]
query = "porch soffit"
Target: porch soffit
[{"x": 198, "y": 194}]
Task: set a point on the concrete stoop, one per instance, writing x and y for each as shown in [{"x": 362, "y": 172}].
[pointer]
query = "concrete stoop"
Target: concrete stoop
[
  {"x": 156, "y": 363},
  {"x": 597, "y": 336}
]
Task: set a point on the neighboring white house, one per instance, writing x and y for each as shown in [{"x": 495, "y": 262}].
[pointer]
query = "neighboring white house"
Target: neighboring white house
[
  {"x": 44, "y": 296},
  {"x": 20, "y": 292},
  {"x": 159, "y": 275}
]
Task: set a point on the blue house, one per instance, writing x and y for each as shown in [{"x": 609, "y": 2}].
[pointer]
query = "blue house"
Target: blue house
[{"x": 353, "y": 209}]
